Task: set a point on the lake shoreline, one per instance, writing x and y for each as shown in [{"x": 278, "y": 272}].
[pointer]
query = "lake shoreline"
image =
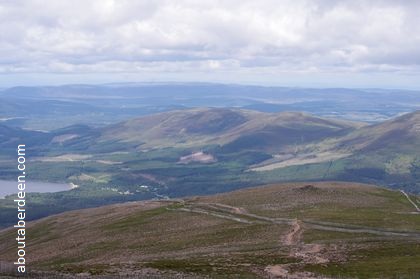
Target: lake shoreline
[{"x": 9, "y": 187}]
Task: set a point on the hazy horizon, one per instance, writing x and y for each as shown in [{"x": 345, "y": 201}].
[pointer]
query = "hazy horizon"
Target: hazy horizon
[
  {"x": 172, "y": 82},
  {"x": 320, "y": 44}
]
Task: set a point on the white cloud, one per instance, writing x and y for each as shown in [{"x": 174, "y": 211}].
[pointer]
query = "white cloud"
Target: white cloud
[{"x": 209, "y": 36}]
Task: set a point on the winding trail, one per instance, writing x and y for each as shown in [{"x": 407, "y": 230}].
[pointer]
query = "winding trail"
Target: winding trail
[
  {"x": 305, "y": 253},
  {"x": 410, "y": 200},
  {"x": 223, "y": 216},
  {"x": 294, "y": 236},
  {"x": 240, "y": 215}
]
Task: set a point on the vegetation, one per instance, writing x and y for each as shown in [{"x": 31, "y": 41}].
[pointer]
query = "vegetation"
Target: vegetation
[
  {"x": 114, "y": 163},
  {"x": 248, "y": 233}
]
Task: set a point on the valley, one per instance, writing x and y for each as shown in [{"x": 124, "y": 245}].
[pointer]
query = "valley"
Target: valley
[
  {"x": 205, "y": 151},
  {"x": 178, "y": 168},
  {"x": 209, "y": 139},
  {"x": 236, "y": 193}
]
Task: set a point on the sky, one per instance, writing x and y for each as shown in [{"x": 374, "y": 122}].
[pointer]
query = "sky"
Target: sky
[{"x": 323, "y": 43}]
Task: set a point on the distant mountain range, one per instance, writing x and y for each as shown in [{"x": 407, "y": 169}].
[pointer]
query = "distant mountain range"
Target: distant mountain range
[{"x": 98, "y": 105}]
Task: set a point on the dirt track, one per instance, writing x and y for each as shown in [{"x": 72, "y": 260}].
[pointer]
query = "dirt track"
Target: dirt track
[
  {"x": 305, "y": 253},
  {"x": 294, "y": 236},
  {"x": 240, "y": 215}
]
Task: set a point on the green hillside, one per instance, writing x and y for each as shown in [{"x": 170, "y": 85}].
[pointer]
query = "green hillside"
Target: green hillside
[
  {"x": 209, "y": 151},
  {"x": 387, "y": 153},
  {"x": 236, "y": 128}
]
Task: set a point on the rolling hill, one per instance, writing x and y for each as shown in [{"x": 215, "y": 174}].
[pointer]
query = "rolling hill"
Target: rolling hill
[
  {"x": 208, "y": 151},
  {"x": 387, "y": 153},
  {"x": 11, "y": 137},
  {"x": 295, "y": 230},
  {"x": 400, "y": 134},
  {"x": 236, "y": 128}
]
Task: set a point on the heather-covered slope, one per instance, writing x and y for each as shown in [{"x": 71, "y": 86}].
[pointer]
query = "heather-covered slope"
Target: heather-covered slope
[{"x": 301, "y": 229}]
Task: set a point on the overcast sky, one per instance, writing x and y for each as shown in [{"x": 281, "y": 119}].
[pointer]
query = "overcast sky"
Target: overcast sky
[{"x": 294, "y": 43}]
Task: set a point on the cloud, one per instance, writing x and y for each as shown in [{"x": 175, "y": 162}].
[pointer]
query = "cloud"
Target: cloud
[{"x": 40, "y": 36}]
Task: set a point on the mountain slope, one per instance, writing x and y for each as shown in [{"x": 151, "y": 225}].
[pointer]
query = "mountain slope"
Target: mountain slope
[
  {"x": 225, "y": 126},
  {"x": 387, "y": 153},
  {"x": 401, "y": 133},
  {"x": 11, "y": 137},
  {"x": 303, "y": 230}
]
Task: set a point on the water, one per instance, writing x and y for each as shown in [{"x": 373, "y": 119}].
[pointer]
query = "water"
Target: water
[{"x": 11, "y": 187}]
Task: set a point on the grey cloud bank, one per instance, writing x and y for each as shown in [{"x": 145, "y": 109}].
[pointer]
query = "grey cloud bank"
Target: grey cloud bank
[{"x": 360, "y": 43}]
